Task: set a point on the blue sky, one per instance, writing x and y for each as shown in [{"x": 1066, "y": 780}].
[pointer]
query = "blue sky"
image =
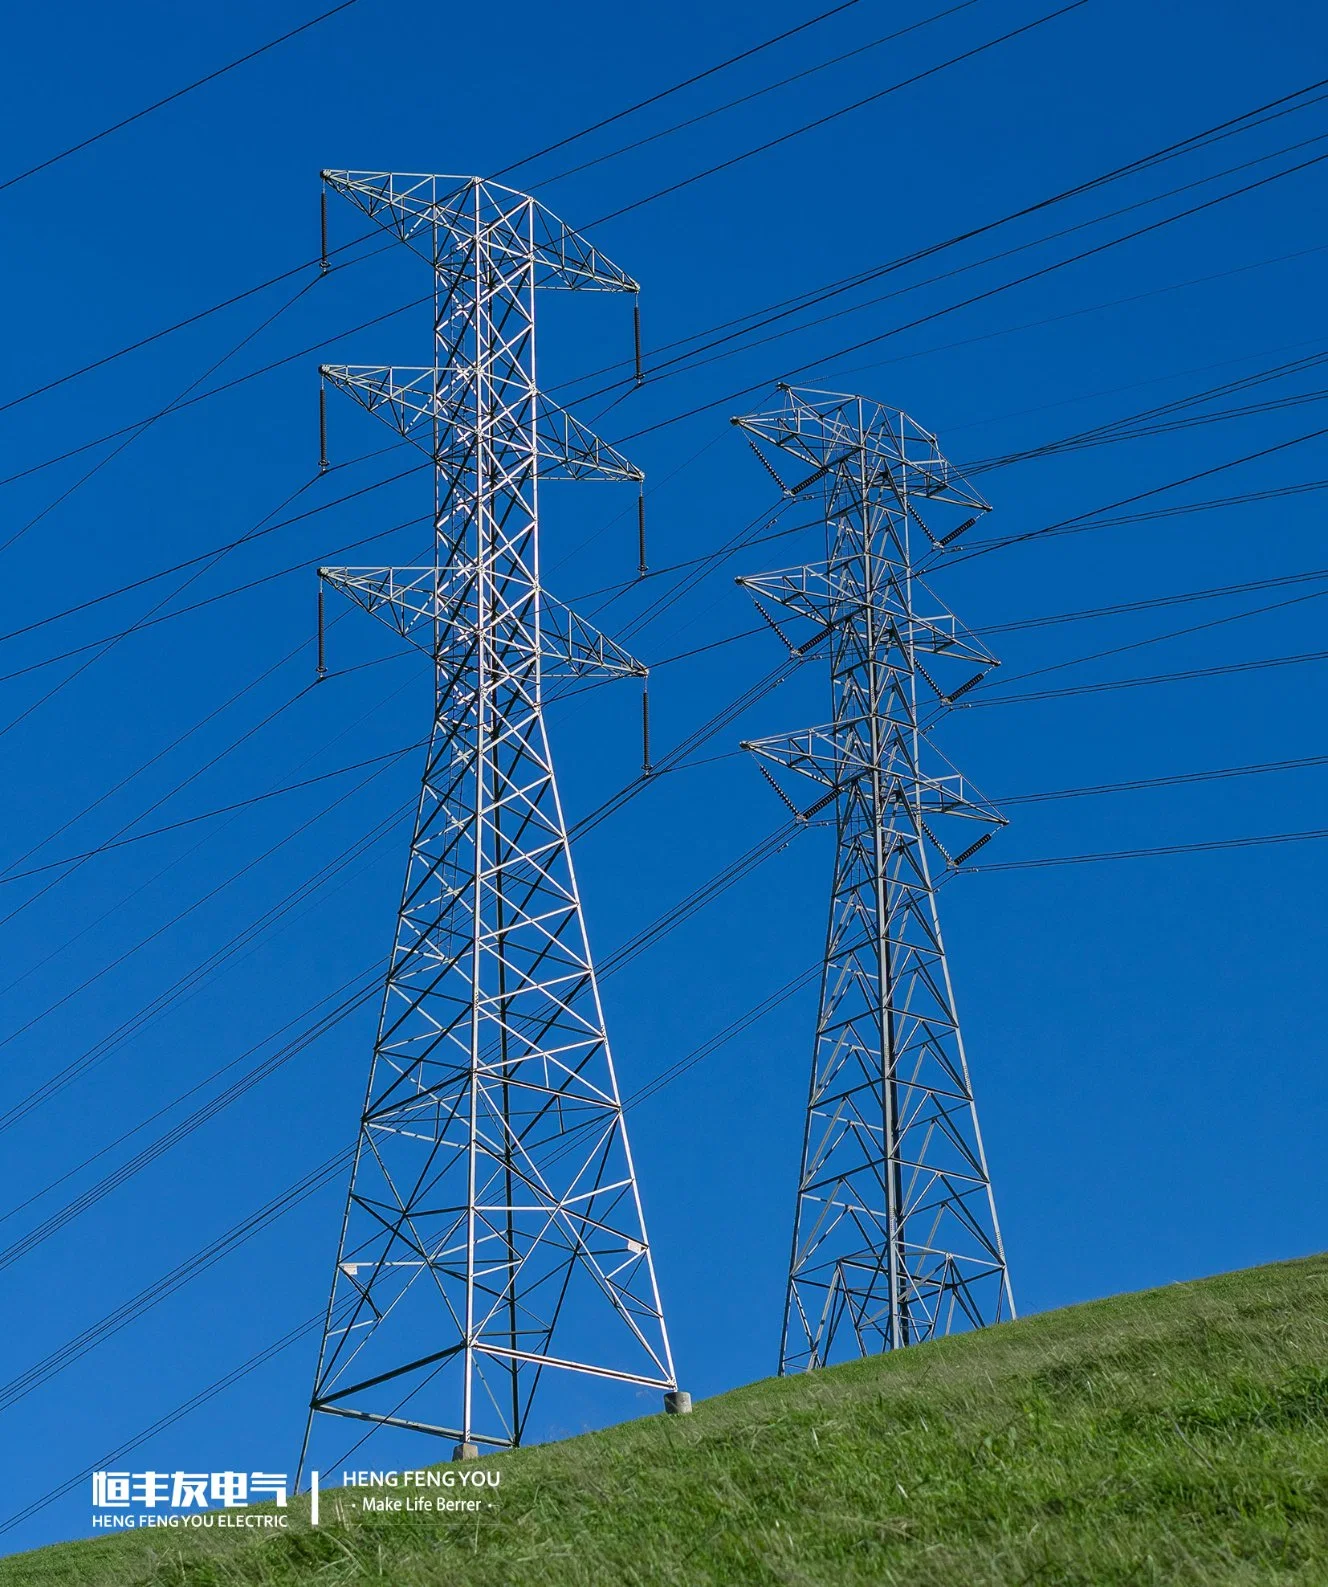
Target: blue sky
[{"x": 1145, "y": 1036}]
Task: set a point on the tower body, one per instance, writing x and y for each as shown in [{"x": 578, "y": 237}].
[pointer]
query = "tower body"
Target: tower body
[
  {"x": 895, "y": 1234},
  {"x": 493, "y": 1229}
]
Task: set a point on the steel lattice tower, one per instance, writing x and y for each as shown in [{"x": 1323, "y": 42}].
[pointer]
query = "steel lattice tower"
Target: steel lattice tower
[
  {"x": 895, "y": 1236},
  {"x": 493, "y": 1227}
]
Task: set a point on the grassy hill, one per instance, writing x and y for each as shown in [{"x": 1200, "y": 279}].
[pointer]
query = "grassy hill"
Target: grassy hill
[{"x": 1174, "y": 1437}]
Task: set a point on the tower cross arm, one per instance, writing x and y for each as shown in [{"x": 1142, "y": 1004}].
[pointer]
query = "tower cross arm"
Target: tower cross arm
[
  {"x": 427, "y": 607},
  {"x": 575, "y": 648},
  {"x": 832, "y": 593},
  {"x": 434, "y": 610},
  {"x": 568, "y": 450},
  {"x": 837, "y": 756},
  {"x": 863, "y": 446},
  {"x": 564, "y": 258},
  {"x": 447, "y": 210},
  {"x": 431, "y": 409}
]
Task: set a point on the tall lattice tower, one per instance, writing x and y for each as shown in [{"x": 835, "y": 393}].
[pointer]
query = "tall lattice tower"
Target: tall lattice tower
[
  {"x": 895, "y": 1236},
  {"x": 493, "y": 1228}
]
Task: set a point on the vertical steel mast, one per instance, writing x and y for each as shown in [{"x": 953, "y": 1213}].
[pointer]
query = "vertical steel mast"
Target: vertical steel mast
[
  {"x": 895, "y": 1236},
  {"x": 493, "y": 1227}
]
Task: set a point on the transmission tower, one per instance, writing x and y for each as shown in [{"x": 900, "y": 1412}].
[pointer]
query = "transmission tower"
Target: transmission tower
[
  {"x": 493, "y": 1227},
  {"x": 895, "y": 1237}
]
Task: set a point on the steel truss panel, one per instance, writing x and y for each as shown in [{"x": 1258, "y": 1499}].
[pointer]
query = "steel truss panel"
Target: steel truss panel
[
  {"x": 493, "y": 1226},
  {"x": 895, "y": 1234}
]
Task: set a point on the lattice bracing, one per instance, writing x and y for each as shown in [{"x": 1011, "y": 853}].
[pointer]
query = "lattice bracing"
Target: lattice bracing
[
  {"x": 493, "y": 1229},
  {"x": 446, "y": 212},
  {"x": 895, "y": 1231}
]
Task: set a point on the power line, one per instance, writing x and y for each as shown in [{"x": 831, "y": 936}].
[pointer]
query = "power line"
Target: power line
[
  {"x": 1224, "y": 669},
  {"x": 239, "y": 1234},
  {"x": 144, "y": 765},
  {"x": 321, "y": 259},
  {"x": 393, "y": 755},
  {"x": 737, "y": 1027},
  {"x": 1233, "y": 127},
  {"x": 242, "y": 940},
  {"x": 990, "y": 292},
  {"x": 197, "y": 976},
  {"x": 652, "y": 1087},
  {"x": 163, "y": 799},
  {"x": 126, "y": 827},
  {"x": 1205, "y": 847},
  {"x": 179, "y": 93},
  {"x": 643, "y": 1094},
  {"x": 191, "y": 319},
  {"x": 620, "y": 798},
  {"x": 1158, "y": 639},
  {"x": 671, "y": 761},
  {"x": 94, "y": 1194},
  {"x": 304, "y": 352},
  {"x": 205, "y": 815},
  {"x": 1246, "y": 121},
  {"x": 675, "y": 88},
  {"x": 285, "y": 1200},
  {"x": 1095, "y": 308},
  {"x": 834, "y": 115},
  {"x": 189, "y": 909},
  {"x": 676, "y": 757},
  {"x": 1063, "y": 527},
  {"x": 214, "y": 391},
  {"x": 175, "y": 1102},
  {"x": 758, "y": 93},
  {"x": 217, "y": 1386},
  {"x": 1078, "y": 520},
  {"x": 1079, "y": 615},
  {"x": 211, "y": 600},
  {"x": 1210, "y": 592},
  {"x": 625, "y": 586},
  {"x": 690, "y": 361},
  {"x": 1066, "y": 617},
  {"x": 259, "y": 531},
  {"x": 1143, "y": 422},
  {"x": 134, "y": 435},
  {"x": 1183, "y": 509},
  {"x": 772, "y": 844},
  {"x": 1194, "y": 141},
  {"x": 1172, "y": 780}
]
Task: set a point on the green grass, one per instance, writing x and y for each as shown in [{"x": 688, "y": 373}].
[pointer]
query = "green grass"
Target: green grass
[{"x": 1175, "y": 1437}]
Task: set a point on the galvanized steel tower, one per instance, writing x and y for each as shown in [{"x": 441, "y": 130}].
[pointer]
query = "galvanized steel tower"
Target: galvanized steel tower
[
  {"x": 895, "y": 1235},
  {"x": 493, "y": 1228}
]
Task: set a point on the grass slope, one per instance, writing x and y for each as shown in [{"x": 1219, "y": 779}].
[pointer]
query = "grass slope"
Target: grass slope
[{"x": 1174, "y": 1437}]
